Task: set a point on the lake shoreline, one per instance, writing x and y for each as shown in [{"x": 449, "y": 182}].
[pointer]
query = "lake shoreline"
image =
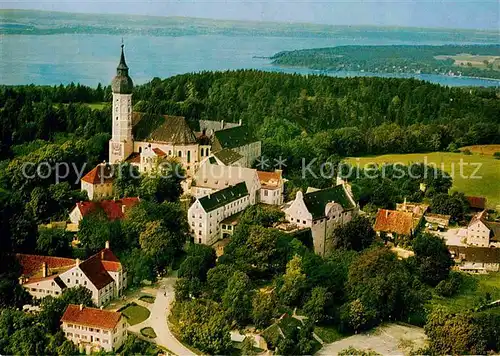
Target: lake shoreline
[{"x": 381, "y": 73}]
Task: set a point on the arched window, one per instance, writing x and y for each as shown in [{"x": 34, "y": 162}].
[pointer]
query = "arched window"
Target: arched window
[
  {"x": 140, "y": 149},
  {"x": 188, "y": 156},
  {"x": 179, "y": 154},
  {"x": 202, "y": 152},
  {"x": 206, "y": 152}
]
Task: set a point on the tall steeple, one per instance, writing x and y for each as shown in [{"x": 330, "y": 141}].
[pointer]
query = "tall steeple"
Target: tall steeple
[
  {"x": 122, "y": 83},
  {"x": 122, "y": 142},
  {"x": 122, "y": 68}
]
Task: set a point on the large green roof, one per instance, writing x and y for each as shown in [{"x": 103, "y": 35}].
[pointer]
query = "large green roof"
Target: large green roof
[
  {"x": 223, "y": 197},
  {"x": 228, "y": 156},
  {"x": 316, "y": 201},
  {"x": 234, "y": 137}
]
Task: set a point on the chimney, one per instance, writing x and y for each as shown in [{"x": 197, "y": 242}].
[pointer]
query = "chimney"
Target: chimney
[
  {"x": 123, "y": 208},
  {"x": 77, "y": 262},
  {"x": 240, "y": 122},
  {"x": 81, "y": 307},
  {"x": 107, "y": 245},
  {"x": 386, "y": 213},
  {"x": 44, "y": 269},
  {"x": 222, "y": 124},
  {"x": 102, "y": 255}
]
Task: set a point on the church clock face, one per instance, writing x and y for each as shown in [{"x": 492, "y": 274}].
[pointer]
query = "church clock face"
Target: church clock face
[{"x": 116, "y": 148}]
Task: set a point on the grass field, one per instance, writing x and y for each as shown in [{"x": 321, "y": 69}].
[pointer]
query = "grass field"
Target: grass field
[
  {"x": 473, "y": 288},
  {"x": 487, "y": 183},
  {"x": 97, "y": 106},
  {"x": 328, "y": 334},
  {"x": 488, "y": 150},
  {"x": 135, "y": 313}
]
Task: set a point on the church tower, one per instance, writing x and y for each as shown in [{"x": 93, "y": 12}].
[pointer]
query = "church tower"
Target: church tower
[{"x": 121, "y": 144}]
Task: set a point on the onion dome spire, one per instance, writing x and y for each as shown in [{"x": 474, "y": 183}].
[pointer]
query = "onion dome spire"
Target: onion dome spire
[{"x": 122, "y": 83}]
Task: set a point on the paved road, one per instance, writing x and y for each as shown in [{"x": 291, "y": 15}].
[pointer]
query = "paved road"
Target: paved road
[
  {"x": 159, "y": 312},
  {"x": 389, "y": 339},
  {"x": 160, "y": 309}
]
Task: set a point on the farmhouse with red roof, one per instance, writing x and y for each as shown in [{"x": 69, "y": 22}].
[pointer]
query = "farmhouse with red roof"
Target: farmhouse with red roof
[
  {"x": 98, "y": 183},
  {"x": 114, "y": 209},
  {"x": 393, "y": 222},
  {"x": 101, "y": 273},
  {"x": 94, "y": 329}
]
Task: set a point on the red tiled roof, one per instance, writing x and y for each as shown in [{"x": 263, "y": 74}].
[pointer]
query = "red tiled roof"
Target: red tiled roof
[
  {"x": 159, "y": 152},
  {"x": 32, "y": 264},
  {"x": 112, "y": 266},
  {"x": 394, "y": 221},
  {"x": 269, "y": 179},
  {"x": 477, "y": 202},
  {"x": 102, "y": 173},
  {"x": 112, "y": 208},
  {"x": 135, "y": 157},
  {"x": 108, "y": 255},
  {"x": 104, "y": 319},
  {"x": 95, "y": 271}
]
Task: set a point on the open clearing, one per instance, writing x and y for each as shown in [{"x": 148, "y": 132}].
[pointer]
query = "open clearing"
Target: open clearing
[
  {"x": 389, "y": 339},
  {"x": 484, "y": 182},
  {"x": 478, "y": 61},
  {"x": 482, "y": 149},
  {"x": 474, "y": 287}
]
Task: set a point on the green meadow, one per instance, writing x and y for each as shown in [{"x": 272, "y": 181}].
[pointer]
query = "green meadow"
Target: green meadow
[
  {"x": 473, "y": 288},
  {"x": 477, "y": 175}
]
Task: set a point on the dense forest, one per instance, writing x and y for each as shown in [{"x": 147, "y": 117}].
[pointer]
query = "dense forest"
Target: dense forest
[
  {"x": 356, "y": 116},
  {"x": 399, "y": 59}
]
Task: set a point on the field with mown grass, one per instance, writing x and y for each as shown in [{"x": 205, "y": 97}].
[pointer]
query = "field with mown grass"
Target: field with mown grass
[
  {"x": 488, "y": 169},
  {"x": 473, "y": 288},
  {"x": 134, "y": 313}
]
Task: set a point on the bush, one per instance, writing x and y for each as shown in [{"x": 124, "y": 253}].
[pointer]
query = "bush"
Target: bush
[
  {"x": 496, "y": 155},
  {"x": 467, "y": 152},
  {"x": 449, "y": 286}
]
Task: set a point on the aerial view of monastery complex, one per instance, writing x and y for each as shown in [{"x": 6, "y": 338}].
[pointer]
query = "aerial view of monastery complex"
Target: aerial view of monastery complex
[{"x": 318, "y": 181}]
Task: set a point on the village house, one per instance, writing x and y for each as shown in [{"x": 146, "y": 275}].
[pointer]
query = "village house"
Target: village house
[
  {"x": 94, "y": 330},
  {"x": 145, "y": 140},
  {"x": 437, "y": 221},
  {"x": 476, "y": 259},
  {"x": 321, "y": 211},
  {"x": 113, "y": 209},
  {"x": 483, "y": 233},
  {"x": 102, "y": 274},
  {"x": 394, "y": 223},
  {"x": 98, "y": 183},
  {"x": 207, "y": 212},
  {"x": 476, "y": 203}
]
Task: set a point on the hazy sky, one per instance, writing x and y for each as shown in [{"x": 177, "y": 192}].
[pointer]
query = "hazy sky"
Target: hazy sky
[{"x": 480, "y": 14}]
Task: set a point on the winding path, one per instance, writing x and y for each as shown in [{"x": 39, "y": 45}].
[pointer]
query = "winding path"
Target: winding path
[{"x": 158, "y": 319}]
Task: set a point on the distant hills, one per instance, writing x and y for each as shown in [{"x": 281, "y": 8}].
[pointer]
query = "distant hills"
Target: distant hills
[
  {"x": 31, "y": 22},
  {"x": 480, "y": 61}
]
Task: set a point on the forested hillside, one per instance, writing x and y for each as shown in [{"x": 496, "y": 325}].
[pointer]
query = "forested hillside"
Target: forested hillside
[
  {"x": 290, "y": 113},
  {"x": 470, "y": 60}
]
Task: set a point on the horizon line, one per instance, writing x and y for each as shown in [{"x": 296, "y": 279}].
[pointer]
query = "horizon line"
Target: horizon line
[{"x": 256, "y": 21}]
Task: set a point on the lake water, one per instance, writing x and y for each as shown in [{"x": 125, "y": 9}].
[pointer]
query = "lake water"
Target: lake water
[{"x": 90, "y": 59}]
